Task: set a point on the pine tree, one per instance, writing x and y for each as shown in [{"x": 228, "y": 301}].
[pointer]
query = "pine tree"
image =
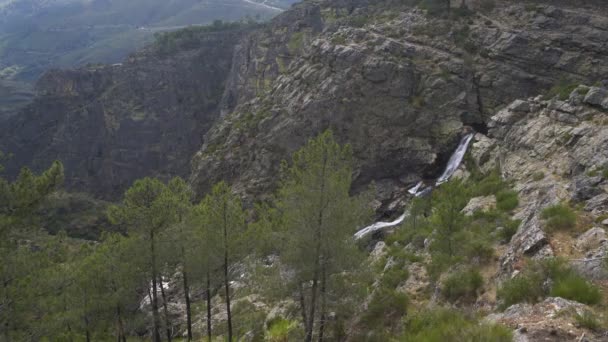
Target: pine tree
[
  {"x": 320, "y": 217},
  {"x": 112, "y": 275},
  {"x": 448, "y": 222},
  {"x": 18, "y": 200},
  {"x": 223, "y": 213},
  {"x": 178, "y": 239},
  {"x": 144, "y": 212},
  {"x": 203, "y": 252}
]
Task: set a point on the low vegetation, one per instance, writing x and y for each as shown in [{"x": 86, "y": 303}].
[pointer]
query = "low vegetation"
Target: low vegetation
[
  {"x": 588, "y": 320},
  {"x": 559, "y": 217},
  {"x": 463, "y": 285},
  {"x": 507, "y": 200},
  {"x": 562, "y": 90},
  {"x": 601, "y": 171},
  {"x": 441, "y": 324},
  {"x": 530, "y": 286}
]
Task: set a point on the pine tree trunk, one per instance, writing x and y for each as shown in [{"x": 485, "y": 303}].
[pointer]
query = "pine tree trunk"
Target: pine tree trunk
[
  {"x": 156, "y": 332},
  {"x": 208, "y": 307},
  {"x": 323, "y": 302},
  {"x": 448, "y": 4},
  {"x": 313, "y": 303},
  {"x": 303, "y": 307},
  {"x": 121, "y": 329},
  {"x": 188, "y": 309},
  {"x": 315, "y": 279},
  {"x": 86, "y": 324},
  {"x": 69, "y": 327},
  {"x": 166, "y": 310},
  {"x": 7, "y": 304},
  {"x": 6, "y": 329},
  {"x": 226, "y": 278},
  {"x": 86, "y": 318}
]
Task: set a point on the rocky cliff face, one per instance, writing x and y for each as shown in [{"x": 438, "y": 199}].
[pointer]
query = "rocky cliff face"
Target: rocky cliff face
[
  {"x": 395, "y": 83},
  {"x": 555, "y": 152},
  {"x": 111, "y": 125}
]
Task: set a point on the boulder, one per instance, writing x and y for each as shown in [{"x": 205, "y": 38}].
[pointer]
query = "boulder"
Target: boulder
[
  {"x": 597, "y": 204},
  {"x": 519, "y": 106},
  {"x": 379, "y": 251},
  {"x": 586, "y": 187},
  {"x": 592, "y": 266},
  {"x": 482, "y": 203},
  {"x": 530, "y": 241},
  {"x": 550, "y": 320},
  {"x": 418, "y": 281},
  {"x": 597, "y": 97},
  {"x": 591, "y": 239}
]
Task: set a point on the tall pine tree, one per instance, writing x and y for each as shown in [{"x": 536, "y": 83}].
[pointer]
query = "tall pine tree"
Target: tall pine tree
[{"x": 320, "y": 218}]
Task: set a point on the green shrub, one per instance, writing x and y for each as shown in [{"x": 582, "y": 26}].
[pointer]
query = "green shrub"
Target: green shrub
[
  {"x": 490, "y": 184},
  {"x": 588, "y": 320},
  {"x": 417, "y": 101},
  {"x": 400, "y": 254},
  {"x": 565, "y": 282},
  {"x": 462, "y": 285},
  {"x": 583, "y": 90},
  {"x": 562, "y": 89},
  {"x": 439, "y": 325},
  {"x": 386, "y": 307},
  {"x": 338, "y": 40},
  {"x": 574, "y": 287},
  {"x": 509, "y": 229},
  {"x": 559, "y": 217},
  {"x": 601, "y": 171},
  {"x": 479, "y": 250},
  {"x": 394, "y": 276},
  {"x": 279, "y": 330},
  {"x": 507, "y": 200},
  {"x": 360, "y": 20},
  {"x": 296, "y": 42},
  {"x": 523, "y": 288},
  {"x": 538, "y": 176}
]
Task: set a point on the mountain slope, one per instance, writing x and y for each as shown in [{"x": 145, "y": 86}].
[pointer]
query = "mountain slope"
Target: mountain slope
[
  {"x": 113, "y": 124},
  {"x": 395, "y": 83},
  {"x": 398, "y": 85}
]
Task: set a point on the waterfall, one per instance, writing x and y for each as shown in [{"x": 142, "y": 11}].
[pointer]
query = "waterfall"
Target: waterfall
[
  {"x": 420, "y": 190},
  {"x": 415, "y": 189},
  {"x": 455, "y": 159},
  {"x": 379, "y": 225}
]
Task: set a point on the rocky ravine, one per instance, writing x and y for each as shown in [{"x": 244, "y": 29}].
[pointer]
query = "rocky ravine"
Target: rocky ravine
[
  {"x": 111, "y": 125},
  {"x": 396, "y": 84}
]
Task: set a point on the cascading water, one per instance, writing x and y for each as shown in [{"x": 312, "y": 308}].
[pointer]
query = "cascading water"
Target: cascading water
[
  {"x": 379, "y": 225},
  {"x": 420, "y": 190},
  {"x": 455, "y": 159}
]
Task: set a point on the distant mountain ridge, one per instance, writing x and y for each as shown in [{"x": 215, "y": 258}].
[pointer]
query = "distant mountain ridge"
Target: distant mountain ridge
[{"x": 36, "y": 35}]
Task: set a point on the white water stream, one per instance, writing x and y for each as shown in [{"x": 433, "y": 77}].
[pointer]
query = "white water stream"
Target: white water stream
[{"x": 421, "y": 190}]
